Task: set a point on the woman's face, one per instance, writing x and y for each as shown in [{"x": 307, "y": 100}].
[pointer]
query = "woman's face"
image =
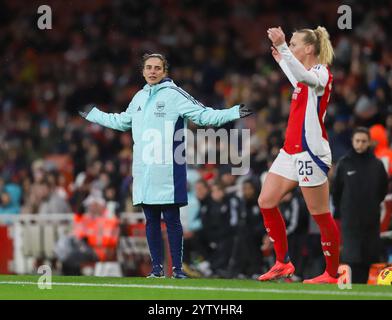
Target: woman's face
[
  {"x": 361, "y": 142},
  {"x": 153, "y": 70},
  {"x": 299, "y": 49}
]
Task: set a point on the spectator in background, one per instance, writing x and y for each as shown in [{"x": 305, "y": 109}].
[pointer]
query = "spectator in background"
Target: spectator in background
[
  {"x": 202, "y": 193},
  {"x": 51, "y": 201},
  {"x": 365, "y": 111},
  {"x": 191, "y": 223},
  {"x": 32, "y": 189},
  {"x": 94, "y": 237},
  {"x": 113, "y": 204},
  {"x": 296, "y": 217},
  {"x": 313, "y": 255},
  {"x": 246, "y": 258},
  {"x": 228, "y": 180},
  {"x": 231, "y": 188},
  {"x": 339, "y": 137},
  {"x": 7, "y": 204},
  {"x": 98, "y": 227},
  {"x": 219, "y": 221},
  {"x": 10, "y": 197},
  {"x": 379, "y": 139},
  {"x": 359, "y": 186}
]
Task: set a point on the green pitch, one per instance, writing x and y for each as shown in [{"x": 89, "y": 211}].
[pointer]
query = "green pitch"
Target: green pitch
[{"x": 102, "y": 288}]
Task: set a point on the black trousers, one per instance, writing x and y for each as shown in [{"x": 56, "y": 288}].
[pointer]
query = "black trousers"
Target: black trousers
[{"x": 359, "y": 272}]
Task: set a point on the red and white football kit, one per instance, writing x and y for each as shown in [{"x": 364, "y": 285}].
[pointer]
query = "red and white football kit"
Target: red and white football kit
[
  {"x": 306, "y": 155},
  {"x": 306, "y": 158}
]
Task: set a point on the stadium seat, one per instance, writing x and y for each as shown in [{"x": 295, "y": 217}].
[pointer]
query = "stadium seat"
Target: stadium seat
[
  {"x": 107, "y": 269},
  {"x": 49, "y": 240},
  {"x": 32, "y": 242}
]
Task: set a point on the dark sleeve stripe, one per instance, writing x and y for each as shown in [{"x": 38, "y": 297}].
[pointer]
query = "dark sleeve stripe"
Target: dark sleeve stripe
[{"x": 188, "y": 96}]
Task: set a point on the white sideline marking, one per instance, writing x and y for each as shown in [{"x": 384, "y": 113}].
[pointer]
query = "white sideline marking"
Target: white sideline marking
[{"x": 114, "y": 285}]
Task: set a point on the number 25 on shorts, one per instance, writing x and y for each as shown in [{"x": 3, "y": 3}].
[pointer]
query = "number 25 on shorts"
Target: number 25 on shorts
[{"x": 305, "y": 168}]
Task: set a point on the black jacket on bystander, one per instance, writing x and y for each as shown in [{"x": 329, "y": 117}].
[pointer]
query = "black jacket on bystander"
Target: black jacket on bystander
[{"x": 359, "y": 186}]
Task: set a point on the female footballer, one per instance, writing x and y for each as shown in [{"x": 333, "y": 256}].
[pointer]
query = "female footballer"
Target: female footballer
[{"x": 305, "y": 157}]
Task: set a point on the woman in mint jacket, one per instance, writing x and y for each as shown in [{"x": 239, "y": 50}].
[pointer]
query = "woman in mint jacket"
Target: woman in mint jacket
[{"x": 155, "y": 114}]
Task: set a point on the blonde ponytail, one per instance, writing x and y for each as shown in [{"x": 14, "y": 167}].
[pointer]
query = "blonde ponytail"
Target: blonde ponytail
[
  {"x": 319, "y": 37},
  {"x": 326, "y": 50}
]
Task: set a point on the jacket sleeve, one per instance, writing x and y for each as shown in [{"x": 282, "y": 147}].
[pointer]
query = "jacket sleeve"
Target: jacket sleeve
[
  {"x": 189, "y": 108},
  {"x": 337, "y": 189},
  {"x": 118, "y": 121},
  {"x": 315, "y": 77}
]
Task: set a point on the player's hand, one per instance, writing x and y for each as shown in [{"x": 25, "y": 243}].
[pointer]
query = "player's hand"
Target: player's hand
[
  {"x": 276, "y": 54},
  {"x": 277, "y": 36},
  {"x": 86, "y": 110},
  {"x": 245, "y": 111}
]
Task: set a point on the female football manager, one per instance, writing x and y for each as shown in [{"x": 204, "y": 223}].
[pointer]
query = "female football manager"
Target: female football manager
[{"x": 160, "y": 186}]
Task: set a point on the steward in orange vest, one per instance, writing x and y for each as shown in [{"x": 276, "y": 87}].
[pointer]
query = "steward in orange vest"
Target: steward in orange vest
[{"x": 98, "y": 227}]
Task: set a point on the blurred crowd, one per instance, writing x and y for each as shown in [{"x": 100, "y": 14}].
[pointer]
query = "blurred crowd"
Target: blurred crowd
[
  {"x": 224, "y": 234},
  {"x": 51, "y": 159}
]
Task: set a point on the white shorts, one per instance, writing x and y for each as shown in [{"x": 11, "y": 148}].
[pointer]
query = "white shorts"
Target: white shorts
[{"x": 308, "y": 170}]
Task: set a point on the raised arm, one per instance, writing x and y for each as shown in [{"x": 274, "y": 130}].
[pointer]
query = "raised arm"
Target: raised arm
[
  {"x": 283, "y": 65},
  {"x": 315, "y": 77}
]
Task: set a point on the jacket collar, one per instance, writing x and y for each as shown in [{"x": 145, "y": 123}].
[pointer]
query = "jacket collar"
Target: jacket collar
[
  {"x": 367, "y": 154},
  {"x": 165, "y": 82}
]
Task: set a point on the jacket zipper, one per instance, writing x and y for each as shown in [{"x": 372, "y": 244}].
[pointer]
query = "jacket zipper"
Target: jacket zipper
[{"x": 145, "y": 182}]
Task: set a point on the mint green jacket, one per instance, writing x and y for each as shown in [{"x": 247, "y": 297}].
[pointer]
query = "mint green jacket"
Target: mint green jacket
[{"x": 154, "y": 115}]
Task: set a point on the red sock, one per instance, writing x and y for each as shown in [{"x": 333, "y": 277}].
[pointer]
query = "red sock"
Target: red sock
[
  {"x": 329, "y": 241},
  {"x": 276, "y": 229}
]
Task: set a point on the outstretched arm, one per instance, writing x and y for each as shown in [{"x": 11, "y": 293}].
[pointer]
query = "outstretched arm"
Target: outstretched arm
[
  {"x": 118, "y": 121},
  {"x": 190, "y": 108}
]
